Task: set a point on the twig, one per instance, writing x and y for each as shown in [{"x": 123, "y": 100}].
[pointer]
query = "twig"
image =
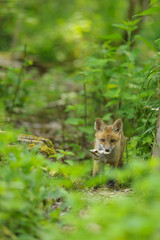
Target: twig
[
  {"x": 20, "y": 77},
  {"x": 85, "y": 104}
]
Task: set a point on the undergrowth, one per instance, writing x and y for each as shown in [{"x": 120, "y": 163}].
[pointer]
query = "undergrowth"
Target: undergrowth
[{"x": 41, "y": 199}]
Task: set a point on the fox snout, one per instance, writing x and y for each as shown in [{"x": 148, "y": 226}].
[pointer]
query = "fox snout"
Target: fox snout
[{"x": 108, "y": 149}]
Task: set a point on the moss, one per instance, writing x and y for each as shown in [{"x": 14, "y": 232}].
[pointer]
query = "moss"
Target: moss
[
  {"x": 44, "y": 145},
  {"x": 43, "y": 148}
]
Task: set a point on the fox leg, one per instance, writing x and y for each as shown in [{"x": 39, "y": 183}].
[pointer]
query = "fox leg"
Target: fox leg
[
  {"x": 116, "y": 164},
  {"x": 98, "y": 167},
  {"x": 119, "y": 163}
]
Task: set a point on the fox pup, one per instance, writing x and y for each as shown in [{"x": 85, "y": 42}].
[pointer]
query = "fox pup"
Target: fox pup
[{"x": 109, "y": 145}]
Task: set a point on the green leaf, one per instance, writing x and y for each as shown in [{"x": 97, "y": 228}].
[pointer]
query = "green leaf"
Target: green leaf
[
  {"x": 148, "y": 130},
  {"x": 149, "y": 44},
  {"x": 65, "y": 152},
  {"x": 87, "y": 130},
  {"x": 128, "y": 25},
  {"x": 111, "y": 102},
  {"x": 149, "y": 11},
  {"x": 152, "y": 2},
  {"x": 157, "y": 41},
  {"x": 107, "y": 117},
  {"x": 92, "y": 62},
  {"x": 74, "y": 121},
  {"x": 115, "y": 36},
  {"x": 70, "y": 162}
]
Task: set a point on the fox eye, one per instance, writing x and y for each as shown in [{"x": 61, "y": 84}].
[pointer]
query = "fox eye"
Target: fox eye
[
  {"x": 112, "y": 140},
  {"x": 103, "y": 140}
]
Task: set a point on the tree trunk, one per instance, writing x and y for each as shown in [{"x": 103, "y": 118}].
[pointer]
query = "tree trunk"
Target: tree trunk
[
  {"x": 156, "y": 144},
  {"x": 133, "y": 4}
]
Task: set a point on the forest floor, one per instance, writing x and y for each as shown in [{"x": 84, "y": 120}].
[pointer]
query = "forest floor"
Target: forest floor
[
  {"x": 91, "y": 195},
  {"x": 104, "y": 193}
]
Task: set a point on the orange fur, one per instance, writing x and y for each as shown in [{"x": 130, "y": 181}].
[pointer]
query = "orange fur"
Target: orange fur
[{"x": 111, "y": 140}]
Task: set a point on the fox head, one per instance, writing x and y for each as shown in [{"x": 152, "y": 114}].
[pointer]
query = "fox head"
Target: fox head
[{"x": 108, "y": 136}]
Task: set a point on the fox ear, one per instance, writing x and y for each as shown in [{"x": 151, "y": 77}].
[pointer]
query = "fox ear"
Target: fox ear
[
  {"x": 117, "y": 126},
  {"x": 99, "y": 124}
]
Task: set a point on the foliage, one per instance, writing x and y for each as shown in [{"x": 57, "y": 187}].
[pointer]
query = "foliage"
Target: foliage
[
  {"x": 75, "y": 61},
  {"x": 32, "y": 187},
  {"x": 115, "y": 74},
  {"x": 15, "y": 87},
  {"x": 26, "y": 193}
]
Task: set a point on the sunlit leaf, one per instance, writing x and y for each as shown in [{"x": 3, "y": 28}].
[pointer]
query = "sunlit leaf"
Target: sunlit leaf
[
  {"x": 149, "y": 11},
  {"x": 152, "y": 2}
]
